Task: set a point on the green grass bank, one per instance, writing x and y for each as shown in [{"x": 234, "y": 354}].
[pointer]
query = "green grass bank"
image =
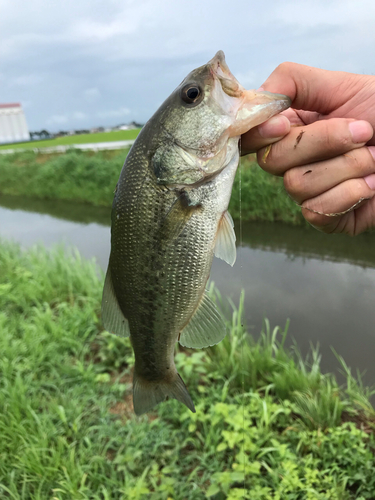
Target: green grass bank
[
  {"x": 92, "y": 177},
  {"x": 269, "y": 425},
  {"x": 69, "y": 140}
]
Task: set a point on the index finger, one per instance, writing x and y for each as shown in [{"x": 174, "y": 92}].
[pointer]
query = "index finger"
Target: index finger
[
  {"x": 318, "y": 141},
  {"x": 311, "y": 89}
]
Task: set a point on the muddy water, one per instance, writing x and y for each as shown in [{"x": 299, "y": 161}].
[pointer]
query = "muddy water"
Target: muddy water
[{"x": 325, "y": 284}]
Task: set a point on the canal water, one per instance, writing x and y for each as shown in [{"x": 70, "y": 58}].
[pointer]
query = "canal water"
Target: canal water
[{"x": 325, "y": 284}]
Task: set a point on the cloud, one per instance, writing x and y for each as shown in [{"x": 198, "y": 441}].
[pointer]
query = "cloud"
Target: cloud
[
  {"x": 88, "y": 30},
  {"x": 91, "y": 94},
  {"x": 78, "y": 115},
  {"x": 27, "y": 80},
  {"x": 57, "y": 119},
  {"x": 114, "y": 113},
  {"x": 68, "y": 117},
  {"x": 248, "y": 79},
  {"x": 67, "y": 57},
  {"x": 26, "y": 104}
]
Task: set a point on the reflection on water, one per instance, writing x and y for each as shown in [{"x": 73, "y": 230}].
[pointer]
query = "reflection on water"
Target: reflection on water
[
  {"x": 29, "y": 227},
  {"x": 75, "y": 212},
  {"x": 302, "y": 241},
  {"x": 325, "y": 284}
]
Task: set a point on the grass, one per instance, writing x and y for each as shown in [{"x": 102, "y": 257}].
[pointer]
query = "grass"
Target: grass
[
  {"x": 92, "y": 177},
  {"x": 269, "y": 425},
  {"x": 69, "y": 140},
  {"x": 258, "y": 195},
  {"x": 74, "y": 176}
]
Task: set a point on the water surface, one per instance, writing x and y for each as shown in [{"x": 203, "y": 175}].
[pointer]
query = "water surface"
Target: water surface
[{"x": 325, "y": 284}]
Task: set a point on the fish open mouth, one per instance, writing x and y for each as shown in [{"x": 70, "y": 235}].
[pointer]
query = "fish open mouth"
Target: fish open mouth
[{"x": 248, "y": 108}]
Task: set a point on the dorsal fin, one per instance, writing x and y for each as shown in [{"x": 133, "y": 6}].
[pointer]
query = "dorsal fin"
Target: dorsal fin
[
  {"x": 225, "y": 246},
  {"x": 112, "y": 317},
  {"x": 205, "y": 328}
]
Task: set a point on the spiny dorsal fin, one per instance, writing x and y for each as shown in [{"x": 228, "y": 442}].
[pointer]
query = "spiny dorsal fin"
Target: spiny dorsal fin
[
  {"x": 112, "y": 317},
  {"x": 225, "y": 246},
  {"x": 205, "y": 328}
]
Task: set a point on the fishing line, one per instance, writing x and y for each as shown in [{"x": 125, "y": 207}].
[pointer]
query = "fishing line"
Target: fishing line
[{"x": 242, "y": 333}]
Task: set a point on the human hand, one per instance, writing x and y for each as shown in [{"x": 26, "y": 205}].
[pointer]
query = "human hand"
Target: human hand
[{"x": 323, "y": 158}]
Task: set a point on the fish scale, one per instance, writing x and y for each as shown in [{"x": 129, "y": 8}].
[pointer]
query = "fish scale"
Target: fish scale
[
  {"x": 169, "y": 218},
  {"x": 154, "y": 300}
]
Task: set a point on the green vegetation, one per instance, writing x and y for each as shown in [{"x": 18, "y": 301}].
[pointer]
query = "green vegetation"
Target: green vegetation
[
  {"x": 269, "y": 425},
  {"x": 68, "y": 140},
  {"x": 258, "y": 195},
  {"x": 92, "y": 177},
  {"x": 75, "y": 175}
]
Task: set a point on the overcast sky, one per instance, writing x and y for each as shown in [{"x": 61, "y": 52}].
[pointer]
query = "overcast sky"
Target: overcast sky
[{"x": 81, "y": 63}]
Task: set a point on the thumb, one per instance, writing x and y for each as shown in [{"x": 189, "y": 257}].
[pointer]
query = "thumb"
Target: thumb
[
  {"x": 267, "y": 133},
  {"x": 312, "y": 89}
]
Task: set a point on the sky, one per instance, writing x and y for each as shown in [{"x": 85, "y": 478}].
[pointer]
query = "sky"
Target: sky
[{"x": 78, "y": 64}]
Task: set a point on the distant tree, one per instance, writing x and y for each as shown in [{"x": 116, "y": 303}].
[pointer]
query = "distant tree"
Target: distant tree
[
  {"x": 136, "y": 124},
  {"x": 43, "y": 134}
]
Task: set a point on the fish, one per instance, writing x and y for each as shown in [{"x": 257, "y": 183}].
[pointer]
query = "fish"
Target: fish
[{"x": 170, "y": 217}]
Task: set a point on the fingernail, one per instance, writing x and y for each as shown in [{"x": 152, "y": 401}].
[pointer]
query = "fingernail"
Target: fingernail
[
  {"x": 275, "y": 127},
  {"x": 372, "y": 151},
  {"x": 370, "y": 181},
  {"x": 361, "y": 131}
]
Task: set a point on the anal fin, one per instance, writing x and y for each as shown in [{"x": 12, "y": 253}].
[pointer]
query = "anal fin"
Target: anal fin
[
  {"x": 225, "y": 246},
  {"x": 205, "y": 328}
]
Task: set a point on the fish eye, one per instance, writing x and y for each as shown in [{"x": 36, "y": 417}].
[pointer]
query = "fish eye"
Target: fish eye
[{"x": 191, "y": 94}]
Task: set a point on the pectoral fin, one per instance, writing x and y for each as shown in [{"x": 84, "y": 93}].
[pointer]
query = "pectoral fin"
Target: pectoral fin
[
  {"x": 206, "y": 327},
  {"x": 112, "y": 317},
  {"x": 225, "y": 246},
  {"x": 177, "y": 217}
]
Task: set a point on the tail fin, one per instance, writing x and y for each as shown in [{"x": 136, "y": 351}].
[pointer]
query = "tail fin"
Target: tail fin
[{"x": 148, "y": 394}]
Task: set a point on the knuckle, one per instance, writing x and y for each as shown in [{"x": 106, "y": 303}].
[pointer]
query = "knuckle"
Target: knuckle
[
  {"x": 334, "y": 139},
  {"x": 359, "y": 161},
  {"x": 357, "y": 188},
  {"x": 285, "y": 67},
  {"x": 343, "y": 142},
  {"x": 271, "y": 158},
  {"x": 312, "y": 218},
  {"x": 293, "y": 183},
  {"x": 265, "y": 161}
]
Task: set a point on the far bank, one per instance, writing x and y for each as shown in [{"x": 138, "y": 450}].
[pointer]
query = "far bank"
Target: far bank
[{"x": 91, "y": 177}]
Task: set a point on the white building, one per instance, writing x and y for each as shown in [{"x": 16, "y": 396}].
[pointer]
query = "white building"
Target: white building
[{"x": 13, "y": 126}]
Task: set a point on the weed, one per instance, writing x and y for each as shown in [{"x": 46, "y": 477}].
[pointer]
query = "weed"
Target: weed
[
  {"x": 267, "y": 425},
  {"x": 92, "y": 178}
]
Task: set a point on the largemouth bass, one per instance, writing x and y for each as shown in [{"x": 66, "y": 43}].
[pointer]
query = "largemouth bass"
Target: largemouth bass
[{"x": 169, "y": 218}]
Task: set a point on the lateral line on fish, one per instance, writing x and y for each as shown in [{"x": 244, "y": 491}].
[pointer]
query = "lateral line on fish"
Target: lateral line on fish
[{"x": 335, "y": 214}]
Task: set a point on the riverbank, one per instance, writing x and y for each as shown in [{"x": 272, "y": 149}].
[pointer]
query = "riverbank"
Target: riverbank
[
  {"x": 266, "y": 420},
  {"x": 91, "y": 178},
  {"x": 71, "y": 140}
]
